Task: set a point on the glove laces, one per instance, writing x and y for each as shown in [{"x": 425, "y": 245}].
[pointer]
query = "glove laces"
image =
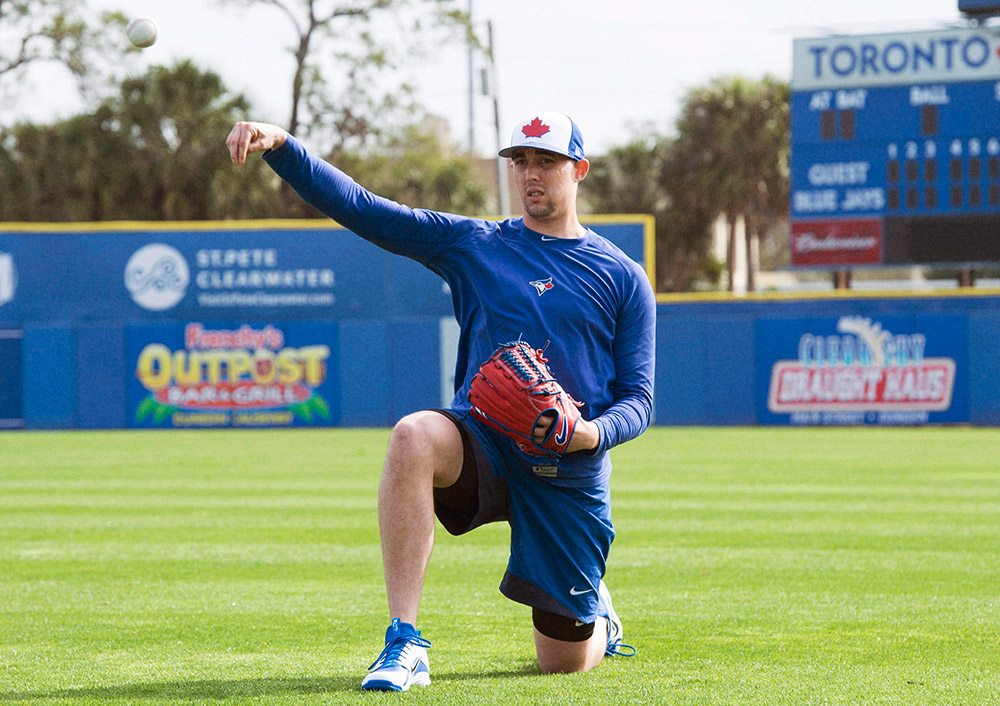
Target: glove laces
[{"x": 517, "y": 358}]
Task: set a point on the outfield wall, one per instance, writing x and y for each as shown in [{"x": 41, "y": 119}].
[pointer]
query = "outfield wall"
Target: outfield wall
[
  {"x": 830, "y": 360},
  {"x": 303, "y": 324},
  {"x": 255, "y": 324}
]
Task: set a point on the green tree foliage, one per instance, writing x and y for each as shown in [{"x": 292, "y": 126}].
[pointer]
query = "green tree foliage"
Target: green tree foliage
[
  {"x": 647, "y": 175},
  {"x": 734, "y": 136},
  {"x": 416, "y": 166},
  {"x": 153, "y": 153},
  {"x": 350, "y": 98},
  {"x": 60, "y": 31},
  {"x": 348, "y": 60},
  {"x": 177, "y": 119},
  {"x": 729, "y": 159},
  {"x": 153, "y": 149}
]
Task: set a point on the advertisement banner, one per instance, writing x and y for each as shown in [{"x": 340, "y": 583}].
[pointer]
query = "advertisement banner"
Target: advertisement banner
[
  {"x": 37, "y": 277},
  {"x": 837, "y": 242},
  {"x": 11, "y": 414},
  {"x": 278, "y": 275},
  {"x": 259, "y": 271},
  {"x": 202, "y": 375},
  {"x": 859, "y": 370}
]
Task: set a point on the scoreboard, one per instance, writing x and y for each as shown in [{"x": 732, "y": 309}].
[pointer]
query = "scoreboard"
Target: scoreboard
[
  {"x": 979, "y": 7},
  {"x": 895, "y": 149}
]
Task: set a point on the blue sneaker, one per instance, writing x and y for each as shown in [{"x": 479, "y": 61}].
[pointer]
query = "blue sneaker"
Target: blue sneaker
[
  {"x": 616, "y": 648},
  {"x": 403, "y": 662}
]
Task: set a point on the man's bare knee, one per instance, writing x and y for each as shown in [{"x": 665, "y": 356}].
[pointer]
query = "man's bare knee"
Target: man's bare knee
[
  {"x": 567, "y": 663},
  {"x": 425, "y": 434},
  {"x": 561, "y": 657},
  {"x": 426, "y": 442},
  {"x": 561, "y": 666}
]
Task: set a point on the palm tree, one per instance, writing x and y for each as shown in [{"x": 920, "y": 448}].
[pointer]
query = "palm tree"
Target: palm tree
[
  {"x": 650, "y": 175},
  {"x": 735, "y": 132}
]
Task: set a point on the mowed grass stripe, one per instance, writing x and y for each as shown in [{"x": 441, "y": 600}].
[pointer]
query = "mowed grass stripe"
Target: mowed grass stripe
[
  {"x": 752, "y": 566},
  {"x": 864, "y": 560}
]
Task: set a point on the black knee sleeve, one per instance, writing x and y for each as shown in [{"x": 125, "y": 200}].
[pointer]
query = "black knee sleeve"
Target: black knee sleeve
[{"x": 559, "y": 627}]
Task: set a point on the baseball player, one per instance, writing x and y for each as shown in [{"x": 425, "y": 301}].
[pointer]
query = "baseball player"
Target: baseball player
[{"x": 543, "y": 279}]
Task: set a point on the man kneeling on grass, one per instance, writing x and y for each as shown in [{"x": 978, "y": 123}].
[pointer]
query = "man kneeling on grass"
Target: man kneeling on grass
[{"x": 547, "y": 280}]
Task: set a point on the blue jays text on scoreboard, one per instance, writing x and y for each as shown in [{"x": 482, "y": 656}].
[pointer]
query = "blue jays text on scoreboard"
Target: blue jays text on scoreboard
[{"x": 895, "y": 142}]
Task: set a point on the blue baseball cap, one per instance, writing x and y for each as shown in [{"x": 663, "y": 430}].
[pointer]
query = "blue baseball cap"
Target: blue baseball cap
[{"x": 552, "y": 132}]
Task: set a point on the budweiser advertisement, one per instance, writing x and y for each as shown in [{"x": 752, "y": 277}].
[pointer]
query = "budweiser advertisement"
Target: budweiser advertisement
[
  {"x": 862, "y": 370},
  {"x": 837, "y": 242}
]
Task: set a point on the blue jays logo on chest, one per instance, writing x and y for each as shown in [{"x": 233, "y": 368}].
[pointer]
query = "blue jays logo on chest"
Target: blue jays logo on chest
[{"x": 542, "y": 285}]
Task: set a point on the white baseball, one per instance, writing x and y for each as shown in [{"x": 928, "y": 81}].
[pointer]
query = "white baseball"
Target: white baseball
[{"x": 142, "y": 32}]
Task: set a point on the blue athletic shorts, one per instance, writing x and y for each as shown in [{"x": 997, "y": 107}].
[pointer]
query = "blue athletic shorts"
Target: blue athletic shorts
[{"x": 559, "y": 537}]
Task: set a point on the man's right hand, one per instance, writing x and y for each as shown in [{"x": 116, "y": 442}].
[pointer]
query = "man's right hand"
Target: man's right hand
[{"x": 246, "y": 138}]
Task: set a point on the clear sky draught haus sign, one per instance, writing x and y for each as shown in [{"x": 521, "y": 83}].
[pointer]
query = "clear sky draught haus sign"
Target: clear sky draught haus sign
[{"x": 858, "y": 370}]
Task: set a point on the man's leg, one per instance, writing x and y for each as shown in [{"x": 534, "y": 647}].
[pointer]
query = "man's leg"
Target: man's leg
[
  {"x": 425, "y": 452},
  {"x": 564, "y": 645},
  {"x": 563, "y": 656}
]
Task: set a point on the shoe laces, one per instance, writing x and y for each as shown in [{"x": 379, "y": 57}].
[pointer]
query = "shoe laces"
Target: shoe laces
[
  {"x": 393, "y": 652},
  {"x": 617, "y": 648}
]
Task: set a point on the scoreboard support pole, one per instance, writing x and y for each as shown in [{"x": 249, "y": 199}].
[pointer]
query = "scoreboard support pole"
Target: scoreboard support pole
[{"x": 842, "y": 279}]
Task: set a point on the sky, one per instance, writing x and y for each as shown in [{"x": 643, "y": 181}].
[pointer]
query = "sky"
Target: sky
[{"x": 615, "y": 66}]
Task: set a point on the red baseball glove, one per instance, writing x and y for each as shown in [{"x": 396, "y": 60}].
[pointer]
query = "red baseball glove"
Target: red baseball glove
[{"x": 514, "y": 389}]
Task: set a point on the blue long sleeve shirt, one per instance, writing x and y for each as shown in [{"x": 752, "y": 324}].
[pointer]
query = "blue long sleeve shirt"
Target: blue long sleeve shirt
[{"x": 584, "y": 297}]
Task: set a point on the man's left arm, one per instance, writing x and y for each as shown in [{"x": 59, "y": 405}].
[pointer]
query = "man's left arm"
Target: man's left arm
[{"x": 634, "y": 351}]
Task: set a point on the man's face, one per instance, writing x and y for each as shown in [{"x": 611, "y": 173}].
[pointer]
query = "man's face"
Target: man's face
[{"x": 545, "y": 181}]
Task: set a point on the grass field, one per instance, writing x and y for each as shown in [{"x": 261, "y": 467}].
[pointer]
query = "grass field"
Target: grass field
[{"x": 752, "y": 566}]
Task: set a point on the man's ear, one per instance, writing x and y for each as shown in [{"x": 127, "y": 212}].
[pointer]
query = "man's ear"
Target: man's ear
[{"x": 582, "y": 167}]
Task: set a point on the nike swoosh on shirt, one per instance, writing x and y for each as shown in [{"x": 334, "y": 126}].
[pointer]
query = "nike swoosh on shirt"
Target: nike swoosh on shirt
[{"x": 574, "y": 592}]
